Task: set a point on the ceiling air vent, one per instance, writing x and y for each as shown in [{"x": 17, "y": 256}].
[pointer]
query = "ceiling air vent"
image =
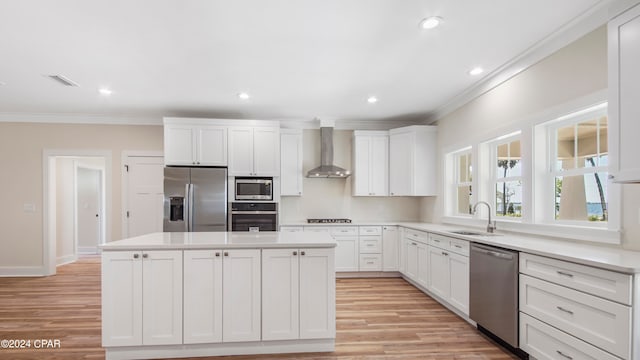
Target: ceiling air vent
[{"x": 62, "y": 80}]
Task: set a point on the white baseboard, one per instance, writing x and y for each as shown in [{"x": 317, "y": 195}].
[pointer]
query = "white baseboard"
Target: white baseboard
[
  {"x": 367, "y": 274},
  {"x": 16, "y": 271},
  {"x": 65, "y": 259},
  {"x": 88, "y": 250}
]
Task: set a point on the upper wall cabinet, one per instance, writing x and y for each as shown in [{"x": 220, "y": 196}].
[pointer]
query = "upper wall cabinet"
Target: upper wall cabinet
[
  {"x": 624, "y": 90},
  {"x": 412, "y": 161},
  {"x": 370, "y": 163},
  {"x": 291, "y": 176},
  {"x": 254, "y": 151},
  {"x": 199, "y": 145}
]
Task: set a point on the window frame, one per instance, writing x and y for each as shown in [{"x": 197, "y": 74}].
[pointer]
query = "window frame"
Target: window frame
[
  {"x": 493, "y": 145},
  {"x": 454, "y": 180}
]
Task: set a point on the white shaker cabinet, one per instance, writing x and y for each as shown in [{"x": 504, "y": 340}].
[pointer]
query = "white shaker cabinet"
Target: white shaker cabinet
[
  {"x": 241, "y": 295},
  {"x": 624, "y": 90},
  {"x": 371, "y": 163},
  {"x": 254, "y": 151},
  {"x": 202, "y": 296},
  {"x": 347, "y": 253},
  {"x": 390, "y": 248},
  {"x": 291, "y": 175},
  {"x": 413, "y": 161},
  {"x": 142, "y": 304},
  {"x": 449, "y": 270},
  {"x": 199, "y": 145},
  {"x": 298, "y": 294}
]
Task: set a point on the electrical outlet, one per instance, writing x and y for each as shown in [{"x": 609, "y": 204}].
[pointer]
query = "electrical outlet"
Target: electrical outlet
[{"x": 29, "y": 208}]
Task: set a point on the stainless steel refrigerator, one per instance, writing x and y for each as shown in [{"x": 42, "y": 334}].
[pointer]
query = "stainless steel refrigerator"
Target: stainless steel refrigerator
[{"x": 195, "y": 199}]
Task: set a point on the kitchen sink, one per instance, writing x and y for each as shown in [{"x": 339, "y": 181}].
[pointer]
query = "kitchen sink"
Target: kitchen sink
[{"x": 473, "y": 233}]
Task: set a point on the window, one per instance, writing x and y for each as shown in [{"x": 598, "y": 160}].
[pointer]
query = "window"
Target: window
[
  {"x": 463, "y": 182},
  {"x": 578, "y": 166},
  {"x": 506, "y": 159}
]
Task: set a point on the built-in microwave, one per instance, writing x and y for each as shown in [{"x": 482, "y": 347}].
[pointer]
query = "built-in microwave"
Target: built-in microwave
[{"x": 253, "y": 188}]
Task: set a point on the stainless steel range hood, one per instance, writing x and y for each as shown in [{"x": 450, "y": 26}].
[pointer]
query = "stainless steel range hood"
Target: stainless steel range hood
[{"x": 327, "y": 169}]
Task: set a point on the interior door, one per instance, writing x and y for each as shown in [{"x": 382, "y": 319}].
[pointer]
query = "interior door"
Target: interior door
[
  {"x": 144, "y": 194},
  {"x": 89, "y": 205}
]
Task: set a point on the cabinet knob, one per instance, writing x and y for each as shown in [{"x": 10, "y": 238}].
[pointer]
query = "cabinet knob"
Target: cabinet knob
[
  {"x": 135, "y": 256},
  {"x": 194, "y": 163},
  {"x": 145, "y": 255},
  {"x": 217, "y": 254},
  {"x": 611, "y": 177},
  {"x": 299, "y": 192},
  {"x": 295, "y": 253},
  {"x": 226, "y": 253},
  {"x": 302, "y": 253},
  {"x": 445, "y": 254},
  {"x": 198, "y": 162}
]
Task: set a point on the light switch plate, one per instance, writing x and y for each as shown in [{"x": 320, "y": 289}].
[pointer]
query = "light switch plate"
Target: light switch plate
[{"x": 29, "y": 208}]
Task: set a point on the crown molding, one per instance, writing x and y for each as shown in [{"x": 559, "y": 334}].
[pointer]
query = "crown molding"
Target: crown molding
[
  {"x": 79, "y": 119},
  {"x": 581, "y": 25}
]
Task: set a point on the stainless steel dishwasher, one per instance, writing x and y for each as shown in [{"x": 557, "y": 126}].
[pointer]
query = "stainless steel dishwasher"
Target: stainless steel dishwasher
[{"x": 493, "y": 291}]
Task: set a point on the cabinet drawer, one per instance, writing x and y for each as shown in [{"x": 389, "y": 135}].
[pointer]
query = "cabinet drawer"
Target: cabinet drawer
[
  {"x": 370, "y": 230},
  {"x": 459, "y": 246},
  {"x": 291, "y": 229},
  {"x": 370, "y": 244},
  {"x": 547, "y": 343},
  {"x": 600, "y": 322},
  {"x": 370, "y": 262},
  {"x": 416, "y": 235},
  {"x": 320, "y": 229},
  {"x": 344, "y": 230},
  {"x": 604, "y": 283}
]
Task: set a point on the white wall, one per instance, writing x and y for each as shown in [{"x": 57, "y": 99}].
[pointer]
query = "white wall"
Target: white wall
[
  {"x": 331, "y": 198},
  {"x": 576, "y": 71}
]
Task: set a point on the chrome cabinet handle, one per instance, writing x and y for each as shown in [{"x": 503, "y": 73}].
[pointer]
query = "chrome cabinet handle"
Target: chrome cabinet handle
[
  {"x": 564, "y": 273},
  {"x": 135, "y": 256},
  {"x": 564, "y": 355},
  {"x": 295, "y": 253},
  {"x": 145, "y": 255},
  {"x": 458, "y": 246},
  {"x": 217, "y": 254},
  {"x": 302, "y": 253},
  {"x": 445, "y": 254},
  {"x": 564, "y": 310},
  {"x": 226, "y": 253}
]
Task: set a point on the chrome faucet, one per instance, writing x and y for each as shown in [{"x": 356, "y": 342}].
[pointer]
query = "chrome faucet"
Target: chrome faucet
[{"x": 491, "y": 226}]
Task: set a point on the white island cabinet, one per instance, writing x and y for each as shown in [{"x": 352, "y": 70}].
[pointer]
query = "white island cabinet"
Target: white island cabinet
[{"x": 172, "y": 295}]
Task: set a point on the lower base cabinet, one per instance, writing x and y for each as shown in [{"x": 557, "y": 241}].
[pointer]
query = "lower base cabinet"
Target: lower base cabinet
[
  {"x": 141, "y": 298},
  {"x": 298, "y": 296},
  {"x": 449, "y": 277}
]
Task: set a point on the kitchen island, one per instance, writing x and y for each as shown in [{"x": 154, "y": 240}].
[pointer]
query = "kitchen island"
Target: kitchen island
[{"x": 177, "y": 295}]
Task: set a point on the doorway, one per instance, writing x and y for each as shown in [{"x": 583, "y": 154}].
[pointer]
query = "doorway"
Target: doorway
[{"x": 77, "y": 192}]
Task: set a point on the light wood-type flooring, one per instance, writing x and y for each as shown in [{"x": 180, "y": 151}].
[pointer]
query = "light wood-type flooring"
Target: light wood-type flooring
[{"x": 376, "y": 319}]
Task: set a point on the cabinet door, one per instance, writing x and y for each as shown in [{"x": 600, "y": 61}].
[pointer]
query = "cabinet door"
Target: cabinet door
[
  {"x": 179, "y": 145},
  {"x": 379, "y": 169},
  {"x": 291, "y": 175},
  {"x": 240, "y": 149},
  {"x": 317, "y": 294},
  {"x": 241, "y": 295},
  {"x": 390, "y": 249},
  {"x": 162, "y": 297},
  {"x": 212, "y": 145},
  {"x": 266, "y": 151},
  {"x": 412, "y": 260},
  {"x": 459, "y": 282},
  {"x": 202, "y": 296},
  {"x": 347, "y": 253},
  {"x": 280, "y": 289},
  {"x": 400, "y": 164},
  {"x": 121, "y": 298},
  {"x": 423, "y": 265},
  {"x": 624, "y": 87},
  {"x": 438, "y": 272},
  {"x": 361, "y": 166}
]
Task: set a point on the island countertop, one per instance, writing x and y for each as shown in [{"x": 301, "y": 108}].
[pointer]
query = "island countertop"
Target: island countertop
[{"x": 221, "y": 240}]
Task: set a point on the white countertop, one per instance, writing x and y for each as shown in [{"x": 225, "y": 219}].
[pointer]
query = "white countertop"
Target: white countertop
[
  {"x": 221, "y": 240},
  {"x": 602, "y": 256}
]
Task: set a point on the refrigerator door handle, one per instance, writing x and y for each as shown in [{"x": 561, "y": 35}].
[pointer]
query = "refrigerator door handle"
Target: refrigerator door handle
[
  {"x": 187, "y": 205},
  {"x": 191, "y": 200}
]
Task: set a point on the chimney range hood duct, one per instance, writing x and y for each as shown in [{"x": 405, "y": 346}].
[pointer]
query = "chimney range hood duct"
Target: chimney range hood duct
[{"x": 327, "y": 169}]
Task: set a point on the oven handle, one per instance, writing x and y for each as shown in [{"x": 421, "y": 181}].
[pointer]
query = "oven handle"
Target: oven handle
[{"x": 254, "y": 212}]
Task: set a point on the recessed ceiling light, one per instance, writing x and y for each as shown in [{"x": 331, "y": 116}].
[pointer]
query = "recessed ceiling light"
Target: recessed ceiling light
[
  {"x": 2, "y": 83},
  {"x": 105, "y": 91},
  {"x": 244, "y": 96},
  {"x": 431, "y": 22},
  {"x": 372, "y": 100},
  {"x": 476, "y": 71}
]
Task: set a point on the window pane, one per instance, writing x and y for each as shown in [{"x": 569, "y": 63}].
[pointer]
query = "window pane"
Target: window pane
[
  {"x": 604, "y": 145},
  {"x": 587, "y": 143},
  {"x": 565, "y": 148},
  {"x": 503, "y": 159},
  {"x": 582, "y": 197},
  {"x": 464, "y": 199},
  {"x": 509, "y": 198},
  {"x": 462, "y": 168},
  {"x": 508, "y": 163},
  {"x": 470, "y": 169}
]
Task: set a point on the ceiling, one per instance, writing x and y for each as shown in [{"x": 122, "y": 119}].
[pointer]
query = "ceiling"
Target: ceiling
[{"x": 298, "y": 59}]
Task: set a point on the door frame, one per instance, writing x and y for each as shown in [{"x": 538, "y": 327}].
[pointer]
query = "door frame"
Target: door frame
[
  {"x": 48, "y": 200},
  {"x": 102, "y": 195},
  {"x": 124, "y": 184}
]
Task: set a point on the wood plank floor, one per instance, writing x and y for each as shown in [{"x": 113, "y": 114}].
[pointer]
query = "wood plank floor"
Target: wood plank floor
[{"x": 376, "y": 319}]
